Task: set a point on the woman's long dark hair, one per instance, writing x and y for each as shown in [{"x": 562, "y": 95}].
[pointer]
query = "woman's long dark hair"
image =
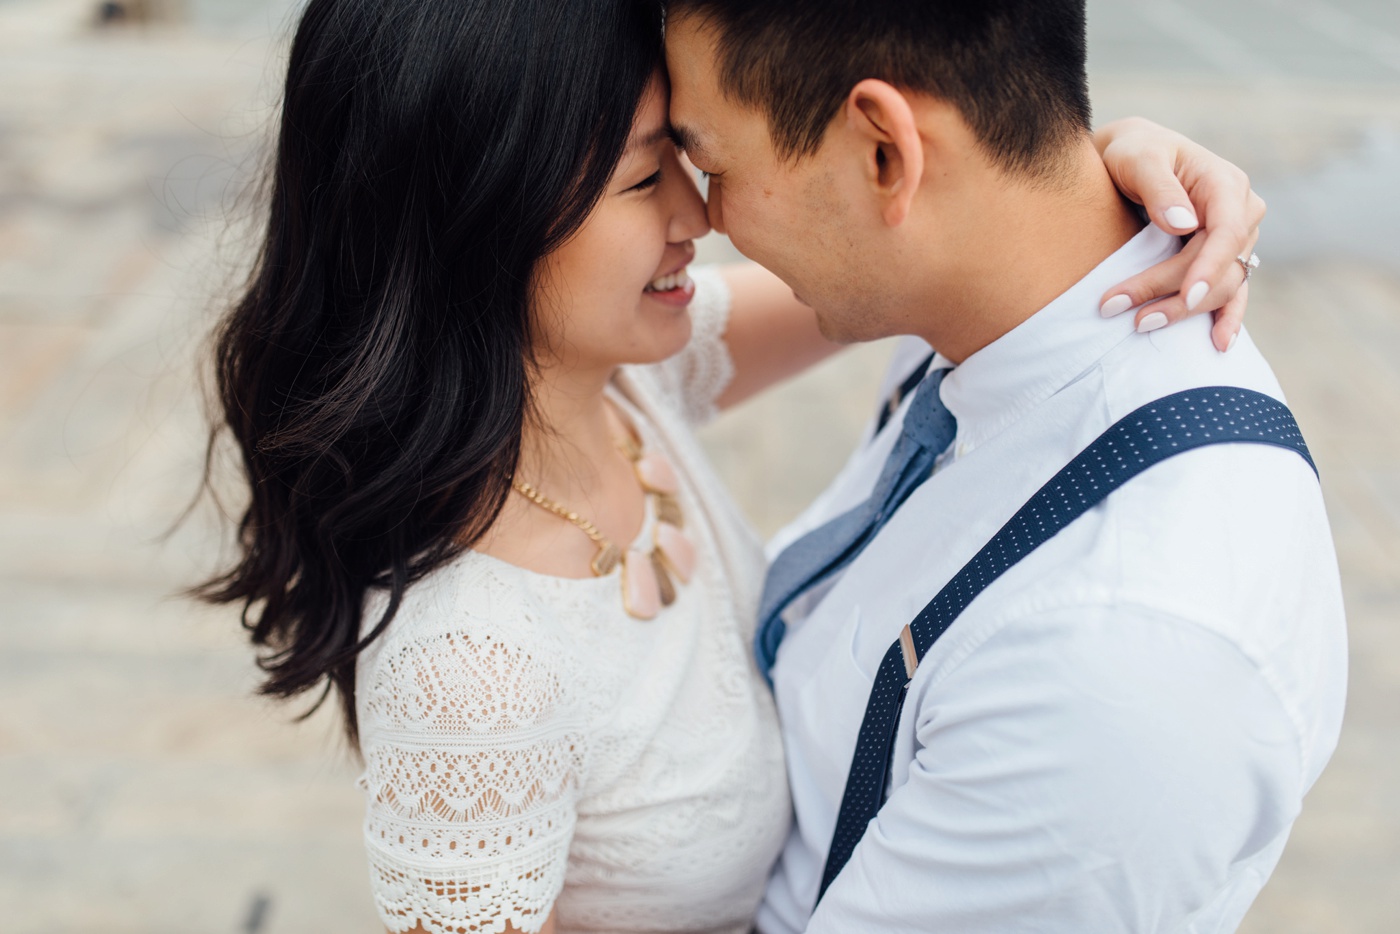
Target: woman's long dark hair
[{"x": 374, "y": 373}]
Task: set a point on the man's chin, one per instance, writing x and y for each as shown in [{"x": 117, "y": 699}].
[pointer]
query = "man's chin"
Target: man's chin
[
  {"x": 852, "y": 327},
  {"x": 834, "y": 329}
]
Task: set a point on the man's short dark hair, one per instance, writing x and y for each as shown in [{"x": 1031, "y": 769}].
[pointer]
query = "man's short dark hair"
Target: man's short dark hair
[{"x": 1015, "y": 69}]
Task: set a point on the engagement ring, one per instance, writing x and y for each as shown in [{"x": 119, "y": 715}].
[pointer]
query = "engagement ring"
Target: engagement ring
[{"x": 1248, "y": 265}]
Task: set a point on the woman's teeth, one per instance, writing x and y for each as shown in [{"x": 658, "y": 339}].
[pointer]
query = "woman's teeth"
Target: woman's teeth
[{"x": 676, "y": 280}]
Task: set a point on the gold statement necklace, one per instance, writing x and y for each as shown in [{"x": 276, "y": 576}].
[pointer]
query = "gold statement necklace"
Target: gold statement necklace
[{"x": 647, "y": 583}]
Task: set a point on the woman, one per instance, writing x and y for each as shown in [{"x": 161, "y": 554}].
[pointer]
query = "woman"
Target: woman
[{"x": 462, "y": 381}]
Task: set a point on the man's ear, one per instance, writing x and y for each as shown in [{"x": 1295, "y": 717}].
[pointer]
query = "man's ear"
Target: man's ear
[{"x": 883, "y": 122}]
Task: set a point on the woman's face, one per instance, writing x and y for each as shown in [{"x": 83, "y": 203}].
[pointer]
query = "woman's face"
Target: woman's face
[{"x": 617, "y": 291}]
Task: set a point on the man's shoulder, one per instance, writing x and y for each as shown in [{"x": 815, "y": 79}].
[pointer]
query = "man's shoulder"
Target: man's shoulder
[
  {"x": 1150, "y": 367},
  {"x": 1230, "y": 541},
  {"x": 1234, "y": 537},
  {"x": 1256, "y": 508}
]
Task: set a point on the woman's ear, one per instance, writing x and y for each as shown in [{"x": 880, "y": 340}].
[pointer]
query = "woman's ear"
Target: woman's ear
[{"x": 883, "y": 122}]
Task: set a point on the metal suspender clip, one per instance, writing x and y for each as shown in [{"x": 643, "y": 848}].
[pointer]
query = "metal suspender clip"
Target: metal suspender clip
[
  {"x": 892, "y": 405},
  {"x": 906, "y": 648}
]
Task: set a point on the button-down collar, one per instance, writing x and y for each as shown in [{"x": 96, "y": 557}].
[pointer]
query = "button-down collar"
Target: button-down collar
[{"x": 1002, "y": 381}]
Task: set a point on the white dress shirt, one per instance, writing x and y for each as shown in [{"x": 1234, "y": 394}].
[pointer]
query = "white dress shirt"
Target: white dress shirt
[{"x": 1118, "y": 734}]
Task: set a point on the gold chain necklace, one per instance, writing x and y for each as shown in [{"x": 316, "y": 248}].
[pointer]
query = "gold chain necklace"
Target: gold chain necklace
[
  {"x": 647, "y": 583},
  {"x": 608, "y": 554}
]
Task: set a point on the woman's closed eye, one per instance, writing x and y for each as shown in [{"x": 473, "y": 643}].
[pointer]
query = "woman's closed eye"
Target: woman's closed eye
[{"x": 651, "y": 181}]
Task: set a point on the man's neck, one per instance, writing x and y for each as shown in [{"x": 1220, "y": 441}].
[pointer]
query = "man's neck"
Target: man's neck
[{"x": 1026, "y": 246}]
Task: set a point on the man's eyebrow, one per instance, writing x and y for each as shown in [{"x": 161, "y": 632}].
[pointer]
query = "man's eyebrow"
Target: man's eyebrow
[{"x": 686, "y": 139}]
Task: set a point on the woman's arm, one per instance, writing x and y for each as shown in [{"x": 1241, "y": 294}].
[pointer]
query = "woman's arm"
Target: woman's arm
[
  {"x": 771, "y": 335},
  {"x": 470, "y": 800},
  {"x": 1185, "y": 189}
]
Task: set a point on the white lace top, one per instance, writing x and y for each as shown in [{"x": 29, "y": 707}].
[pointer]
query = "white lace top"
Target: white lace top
[{"x": 529, "y": 745}]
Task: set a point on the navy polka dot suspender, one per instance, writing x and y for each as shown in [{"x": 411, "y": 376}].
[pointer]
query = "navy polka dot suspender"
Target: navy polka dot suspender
[{"x": 1170, "y": 426}]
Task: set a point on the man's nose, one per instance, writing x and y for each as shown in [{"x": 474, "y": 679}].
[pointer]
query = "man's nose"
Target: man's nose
[
  {"x": 689, "y": 221},
  {"x": 714, "y": 205}
]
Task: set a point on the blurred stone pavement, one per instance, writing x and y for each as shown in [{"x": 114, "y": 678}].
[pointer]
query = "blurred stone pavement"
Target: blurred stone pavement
[{"x": 145, "y": 790}]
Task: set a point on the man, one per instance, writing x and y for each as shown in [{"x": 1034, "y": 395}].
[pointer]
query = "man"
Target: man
[{"x": 1117, "y": 734}]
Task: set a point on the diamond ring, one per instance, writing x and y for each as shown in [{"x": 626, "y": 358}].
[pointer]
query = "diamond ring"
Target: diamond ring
[{"x": 1248, "y": 265}]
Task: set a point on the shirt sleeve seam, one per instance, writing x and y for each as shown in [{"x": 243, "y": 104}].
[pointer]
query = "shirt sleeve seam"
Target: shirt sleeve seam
[{"x": 1145, "y": 611}]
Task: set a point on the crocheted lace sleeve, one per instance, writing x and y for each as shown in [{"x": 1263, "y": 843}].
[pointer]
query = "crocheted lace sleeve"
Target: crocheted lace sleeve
[
  {"x": 693, "y": 379},
  {"x": 472, "y": 771}
]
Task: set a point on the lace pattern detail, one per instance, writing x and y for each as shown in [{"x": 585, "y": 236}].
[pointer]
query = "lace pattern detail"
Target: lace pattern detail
[
  {"x": 462, "y": 903},
  {"x": 472, "y": 769}
]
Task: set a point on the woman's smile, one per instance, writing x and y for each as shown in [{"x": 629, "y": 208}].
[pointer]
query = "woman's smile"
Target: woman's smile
[
  {"x": 675, "y": 289},
  {"x": 673, "y": 286}
]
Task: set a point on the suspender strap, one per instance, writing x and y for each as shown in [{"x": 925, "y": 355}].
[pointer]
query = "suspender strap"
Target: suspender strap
[
  {"x": 1162, "y": 429},
  {"x": 911, "y": 382}
]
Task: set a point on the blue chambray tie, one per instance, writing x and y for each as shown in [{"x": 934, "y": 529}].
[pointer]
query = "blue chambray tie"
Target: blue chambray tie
[{"x": 928, "y": 429}]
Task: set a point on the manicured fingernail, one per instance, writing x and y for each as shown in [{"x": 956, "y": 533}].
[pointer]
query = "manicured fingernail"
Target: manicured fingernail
[
  {"x": 1116, "y": 305},
  {"x": 1152, "y": 322},
  {"x": 1196, "y": 295},
  {"x": 1181, "y": 218},
  {"x": 1233, "y": 337}
]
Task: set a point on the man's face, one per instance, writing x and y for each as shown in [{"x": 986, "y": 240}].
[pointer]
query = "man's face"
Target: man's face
[{"x": 803, "y": 220}]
